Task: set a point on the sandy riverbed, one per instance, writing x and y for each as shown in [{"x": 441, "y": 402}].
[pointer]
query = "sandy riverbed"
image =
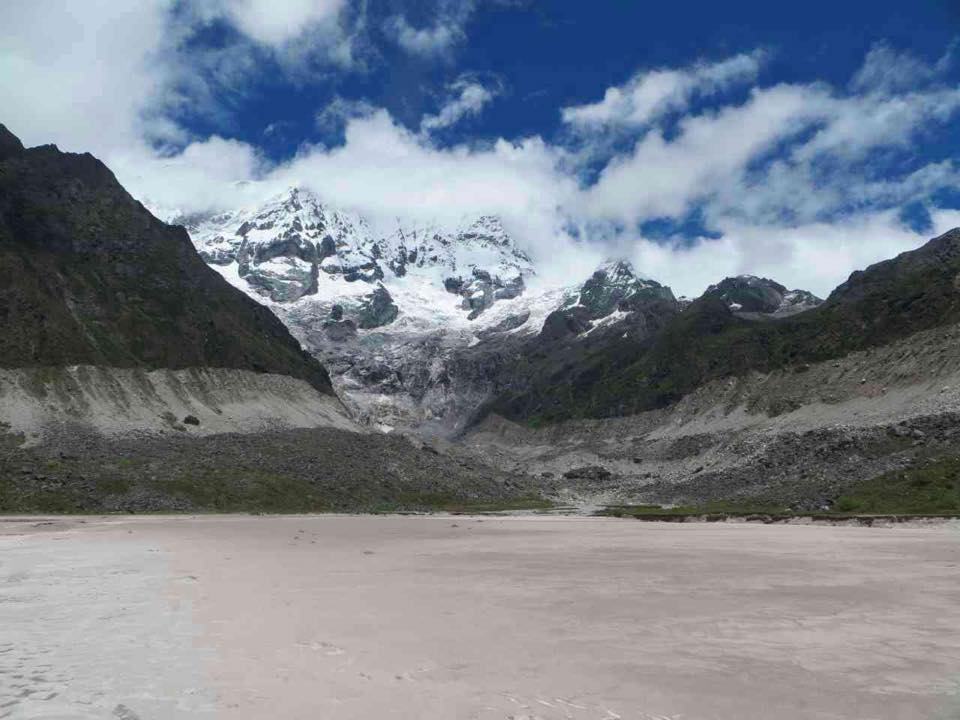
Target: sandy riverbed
[{"x": 455, "y": 617}]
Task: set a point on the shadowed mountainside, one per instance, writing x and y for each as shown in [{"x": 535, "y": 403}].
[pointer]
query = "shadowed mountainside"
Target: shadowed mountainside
[{"x": 91, "y": 277}]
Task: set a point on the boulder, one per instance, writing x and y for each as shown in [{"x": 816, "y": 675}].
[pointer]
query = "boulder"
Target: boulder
[
  {"x": 588, "y": 472},
  {"x": 378, "y": 309}
]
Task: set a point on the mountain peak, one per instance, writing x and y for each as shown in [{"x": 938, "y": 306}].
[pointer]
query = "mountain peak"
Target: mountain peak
[
  {"x": 752, "y": 294},
  {"x": 294, "y": 247},
  {"x": 616, "y": 285},
  {"x": 10, "y": 144}
]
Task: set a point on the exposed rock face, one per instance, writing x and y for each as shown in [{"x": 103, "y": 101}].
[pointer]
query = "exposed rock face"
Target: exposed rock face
[
  {"x": 378, "y": 309},
  {"x": 566, "y": 323},
  {"x": 481, "y": 290},
  {"x": 10, "y": 144},
  {"x": 747, "y": 294},
  {"x": 613, "y": 288}
]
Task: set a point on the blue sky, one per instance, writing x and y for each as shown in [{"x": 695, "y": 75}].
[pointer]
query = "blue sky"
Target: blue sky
[
  {"x": 696, "y": 139},
  {"x": 548, "y": 55}
]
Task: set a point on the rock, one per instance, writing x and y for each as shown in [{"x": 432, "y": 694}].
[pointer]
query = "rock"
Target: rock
[
  {"x": 481, "y": 290},
  {"x": 10, "y": 145},
  {"x": 453, "y": 285},
  {"x": 615, "y": 286},
  {"x": 191, "y": 420},
  {"x": 588, "y": 472},
  {"x": 750, "y": 294},
  {"x": 340, "y": 331},
  {"x": 510, "y": 290},
  {"x": 378, "y": 309},
  {"x": 511, "y": 322},
  {"x": 564, "y": 323},
  {"x": 336, "y": 313}
]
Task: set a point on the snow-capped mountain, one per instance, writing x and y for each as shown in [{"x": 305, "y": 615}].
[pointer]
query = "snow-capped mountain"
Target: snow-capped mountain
[
  {"x": 295, "y": 248},
  {"x": 421, "y": 325},
  {"x": 385, "y": 312}
]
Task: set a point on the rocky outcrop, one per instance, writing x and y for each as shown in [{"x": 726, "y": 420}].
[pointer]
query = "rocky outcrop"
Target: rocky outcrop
[
  {"x": 747, "y": 295},
  {"x": 378, "y": 309},
  {"x": 482, "y": 289},
  {"x": 613, "y": 288},
  {"x": 10, "y": 144},
  {"x": 616, "y": 286}
]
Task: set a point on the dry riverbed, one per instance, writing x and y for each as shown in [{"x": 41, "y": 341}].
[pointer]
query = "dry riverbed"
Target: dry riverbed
[{"x": 449, "y": 617}]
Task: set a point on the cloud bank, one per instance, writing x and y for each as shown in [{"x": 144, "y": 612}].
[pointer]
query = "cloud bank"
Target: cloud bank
[{"x": 692, "y": 172}]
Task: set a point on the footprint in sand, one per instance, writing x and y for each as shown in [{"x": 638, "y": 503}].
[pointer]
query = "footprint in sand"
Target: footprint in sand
[{"x": 326, "y": 648}]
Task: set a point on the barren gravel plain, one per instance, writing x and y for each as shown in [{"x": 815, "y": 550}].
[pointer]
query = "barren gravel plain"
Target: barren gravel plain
[{"x": 449, "y": 617}]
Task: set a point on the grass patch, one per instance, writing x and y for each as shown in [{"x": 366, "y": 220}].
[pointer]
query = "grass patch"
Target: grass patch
[
  {"x": 932, "y": 488},
  {"x": 715, "y": 507},
  {"x": 435, "y": 502},
  {"x": 40, "y": 498},
  {"x": 232, "y": 490}
]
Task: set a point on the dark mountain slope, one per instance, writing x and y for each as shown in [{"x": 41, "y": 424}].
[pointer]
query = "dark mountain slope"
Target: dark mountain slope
[
  {"x": 89, "y": 276},
  {"x": 915, "y": 291}
]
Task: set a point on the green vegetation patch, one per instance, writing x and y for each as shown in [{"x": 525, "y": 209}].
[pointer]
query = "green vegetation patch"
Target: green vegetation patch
[
  {"x": 933, "y": 488},
  {"x": 714, "y": 507},
  {"x": 434, "y": 502},
  {"x": 242, "y": 490}
]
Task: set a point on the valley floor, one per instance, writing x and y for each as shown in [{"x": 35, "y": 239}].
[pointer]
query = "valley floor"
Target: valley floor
[{"x": 467, "y": 617}]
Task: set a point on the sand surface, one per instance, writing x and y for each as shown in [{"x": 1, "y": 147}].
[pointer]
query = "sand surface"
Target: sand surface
[{"x": 455, "y": 617}]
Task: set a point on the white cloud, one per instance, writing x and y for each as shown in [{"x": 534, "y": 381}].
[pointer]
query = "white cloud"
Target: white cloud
[
  {"x": 204, "y": 176},
  {"x": 650, "y": 94},
  {"x": 304, "y": 36},
  {"x": 470, "y": 98},
  {"x": 425, "y": 41},
  {"x": 436, "y": 39},
  {"x": 786, "y": 174},
  {"x": 814, "y": 256},
  {"x": 277, "y": 22},
  {"x": 662, "y": 177},
  {"x": 85, "y": 76},
  {"x": 886, "y": 70},
  {"x": 385, "y": 171},
  {"x": 335, "y": 114}
]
